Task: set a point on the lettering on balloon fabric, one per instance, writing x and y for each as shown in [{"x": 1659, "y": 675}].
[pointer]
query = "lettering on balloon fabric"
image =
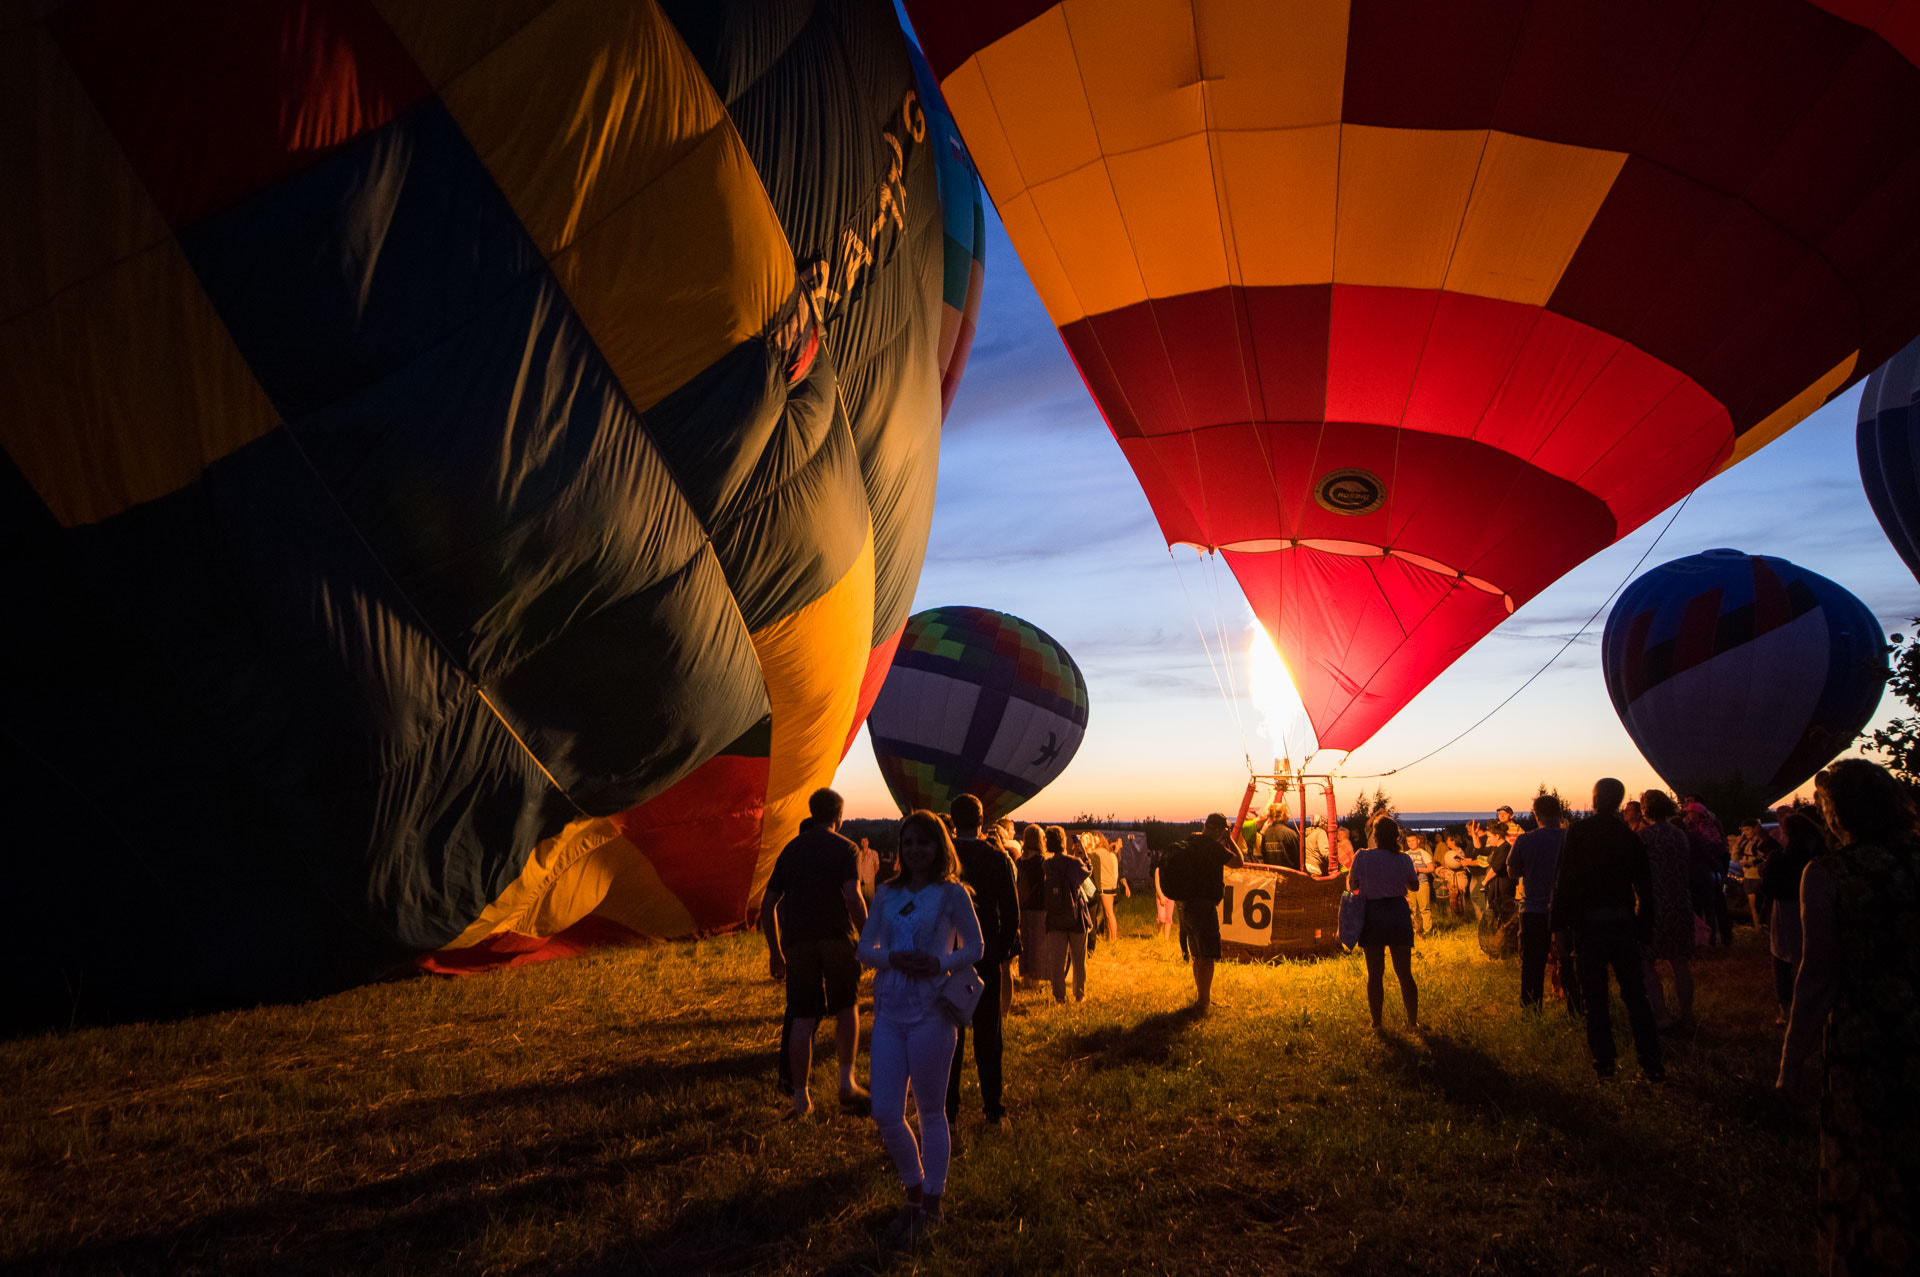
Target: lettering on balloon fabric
[{"x": 870, "y": 240}]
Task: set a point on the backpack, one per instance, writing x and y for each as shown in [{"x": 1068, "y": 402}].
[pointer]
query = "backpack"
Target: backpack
[
  {"x": 1066, "y": 906},
  {"x": 1182, "y": 876},
  {"x": 1499, "y": 930}
]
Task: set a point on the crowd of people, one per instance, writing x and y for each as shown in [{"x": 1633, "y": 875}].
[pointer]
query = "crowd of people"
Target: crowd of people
[{"x": 1592, "y": 906}]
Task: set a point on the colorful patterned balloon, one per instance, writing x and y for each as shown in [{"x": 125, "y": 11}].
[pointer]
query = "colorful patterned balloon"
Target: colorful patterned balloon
[
  {"x": 467, "y": 469},
  {"x": 977, "y": 702},
  {"x": 1740, "y": 676}
]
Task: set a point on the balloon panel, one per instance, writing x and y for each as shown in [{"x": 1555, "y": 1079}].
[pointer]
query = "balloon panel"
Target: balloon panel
[
  {"x": 1731, "y": 671},
  {"x": 458, "y": 508},
  {"x": 964, "y": 224},
  {"x": 1889, "y": 462},
  {"x": 977, "y": 702},
  {"x": 1293, "y": 248}
]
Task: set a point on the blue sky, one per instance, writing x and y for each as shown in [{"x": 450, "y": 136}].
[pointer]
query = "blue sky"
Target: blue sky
[{"x": 1038, "y": 514}]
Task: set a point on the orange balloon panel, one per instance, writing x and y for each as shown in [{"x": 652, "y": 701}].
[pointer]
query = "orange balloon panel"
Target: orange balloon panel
[{"x": 1408, "y": 309}]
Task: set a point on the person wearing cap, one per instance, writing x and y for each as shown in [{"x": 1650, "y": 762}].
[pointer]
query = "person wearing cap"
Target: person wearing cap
[{"x": 1207, "y": 854}]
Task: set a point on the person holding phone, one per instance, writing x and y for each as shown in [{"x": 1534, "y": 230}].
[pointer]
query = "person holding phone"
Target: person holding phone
[{"x": 921, "y": 930}]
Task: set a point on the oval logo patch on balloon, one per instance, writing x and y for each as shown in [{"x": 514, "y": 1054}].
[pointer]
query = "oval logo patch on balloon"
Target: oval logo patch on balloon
[
  {"x": 977, "y": 702},
  {"x": 1350, "y": 492}
]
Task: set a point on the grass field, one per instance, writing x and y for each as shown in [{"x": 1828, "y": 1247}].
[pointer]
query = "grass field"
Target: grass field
[{"x": 617, "y": 1114}]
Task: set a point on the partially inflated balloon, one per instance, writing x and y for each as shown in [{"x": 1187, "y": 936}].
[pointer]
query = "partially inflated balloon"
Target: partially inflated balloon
[
  {"x": 964, "y": 222},
  {"x": 1890, "y": 455},
  {"x": 1741, "y": 676},
  {"x": 1408, "y": 308},
  {"x": 461, "y": 464},
  {"x": 977, "y": 702}
]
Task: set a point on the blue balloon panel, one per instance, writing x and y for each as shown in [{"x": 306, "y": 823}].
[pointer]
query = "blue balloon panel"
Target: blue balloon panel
[{"x": 1739, "y": 673}]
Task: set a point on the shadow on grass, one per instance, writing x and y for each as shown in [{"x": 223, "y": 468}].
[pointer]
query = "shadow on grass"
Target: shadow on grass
[
  {"x": 438, "y": 1208},
  {"x": 748, "y": 1231},
  {"x": 1467, "y": 1077},
  {"x": 1149, "y": 1041}
]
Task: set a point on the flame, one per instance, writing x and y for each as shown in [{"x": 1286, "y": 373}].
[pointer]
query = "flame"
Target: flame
[{"x": 1276, "y": 702}]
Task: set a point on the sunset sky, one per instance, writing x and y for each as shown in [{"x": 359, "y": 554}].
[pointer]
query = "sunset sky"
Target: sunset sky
[{"x": 1039, "y": 515}]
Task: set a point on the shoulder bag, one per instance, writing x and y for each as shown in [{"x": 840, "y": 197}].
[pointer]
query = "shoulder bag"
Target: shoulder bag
[
  {"x": 1353, "y": 917},
  {"x": 958, "y": 990}
]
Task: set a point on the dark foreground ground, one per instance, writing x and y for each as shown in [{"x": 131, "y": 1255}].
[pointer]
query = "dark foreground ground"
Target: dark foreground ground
[{"x": 617, "y": 1114}]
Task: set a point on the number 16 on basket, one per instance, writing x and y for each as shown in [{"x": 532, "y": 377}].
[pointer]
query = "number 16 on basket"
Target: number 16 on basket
[{"x": 1246, "y": 909}]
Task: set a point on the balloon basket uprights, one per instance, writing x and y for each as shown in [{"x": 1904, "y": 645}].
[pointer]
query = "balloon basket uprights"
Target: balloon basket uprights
[{"x": 1295, "y": 790}]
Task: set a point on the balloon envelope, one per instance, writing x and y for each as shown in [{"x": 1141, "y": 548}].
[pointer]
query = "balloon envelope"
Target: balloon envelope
[
  {"x": 1740, "y": 676},
  {"x": 468, "y": 471},
  {"x": 963, "y": 220},
  {"x": 977, "y": 702},
  {"x": 1406, "y": 309},
  {"x": 1889, "y": 459}
]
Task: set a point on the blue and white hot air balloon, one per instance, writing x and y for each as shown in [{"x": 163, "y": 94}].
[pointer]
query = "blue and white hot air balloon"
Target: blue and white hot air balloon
[
  {"x": 1739, "y": 676},
  {"x": 1889, "y": 461}
]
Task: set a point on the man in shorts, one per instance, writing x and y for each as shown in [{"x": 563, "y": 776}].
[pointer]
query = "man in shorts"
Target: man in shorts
[
  {"x": 811, "y": 916},
  {"x": 1208, "y": 853}
]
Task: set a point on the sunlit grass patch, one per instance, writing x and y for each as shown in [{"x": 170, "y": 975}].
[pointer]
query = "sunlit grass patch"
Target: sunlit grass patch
[{"x": 617, "y": 1113}]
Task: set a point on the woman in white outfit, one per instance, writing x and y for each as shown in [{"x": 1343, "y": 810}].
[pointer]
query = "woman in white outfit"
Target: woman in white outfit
[{"x": 921, "y": 928}]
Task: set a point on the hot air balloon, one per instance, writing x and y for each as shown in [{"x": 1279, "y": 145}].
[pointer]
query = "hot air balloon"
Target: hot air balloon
[
  {"x": 1740, "y": 676},
  {"x": 461, "y": 469},
  {"x": 963, "y": 219},
  {"x": 1406, "y": 309},
  {"x": 977, "y": 702},
  {"x": 1889, "y": 462}
]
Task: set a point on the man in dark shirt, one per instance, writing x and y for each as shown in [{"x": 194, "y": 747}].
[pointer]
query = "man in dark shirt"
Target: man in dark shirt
[
  {"x": 988, "y": 873},
  {"x": 1206, "y": 854},
  {"x": 1603, "y": 871},
  {"x": 1533, "y": 863},
  {"x": 812, "y": 914},
  {"x": 1279, "y": 840}
]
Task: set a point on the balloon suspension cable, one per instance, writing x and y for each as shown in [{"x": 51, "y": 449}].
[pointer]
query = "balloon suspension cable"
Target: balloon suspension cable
[
  {"x": 1226, "y": 647},
  {"x": 1562, "y": 651},
  {"x": 1206, "y": 647}
]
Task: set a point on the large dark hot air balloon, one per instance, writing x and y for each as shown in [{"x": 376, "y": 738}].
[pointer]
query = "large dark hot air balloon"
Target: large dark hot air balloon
[
  {"x": 1740, "y": 676},
  {"x": 978, "y": 702},
  {"x": 465, "y": 470},
  {"x": 1407, "y": 308},
  {"x": 963, "y": 218},
  {"x": 1889, "y": 459}
]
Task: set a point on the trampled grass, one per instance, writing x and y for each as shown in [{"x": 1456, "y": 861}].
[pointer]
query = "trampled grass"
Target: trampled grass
[{"x": 617, "y": 1113}]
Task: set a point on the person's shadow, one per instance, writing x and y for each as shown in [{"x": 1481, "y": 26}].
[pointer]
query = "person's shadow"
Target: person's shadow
[{"x": 1149, "y": 1041}]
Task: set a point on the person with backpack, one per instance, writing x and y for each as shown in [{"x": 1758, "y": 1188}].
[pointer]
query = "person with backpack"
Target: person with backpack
[
  {"x": 1191, "y": 874},
  {"x": 1068, "y": 918}
]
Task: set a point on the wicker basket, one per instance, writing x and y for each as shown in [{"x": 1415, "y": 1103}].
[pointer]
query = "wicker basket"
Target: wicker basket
[{"x": 1306, "y": 917}]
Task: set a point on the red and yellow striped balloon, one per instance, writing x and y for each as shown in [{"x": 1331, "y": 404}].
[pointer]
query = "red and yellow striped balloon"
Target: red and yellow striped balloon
[{"x": 1406, "y": 309}]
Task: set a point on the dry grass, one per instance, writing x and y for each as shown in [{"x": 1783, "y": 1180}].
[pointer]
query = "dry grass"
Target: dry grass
[{"x": 617, "y": 1113}]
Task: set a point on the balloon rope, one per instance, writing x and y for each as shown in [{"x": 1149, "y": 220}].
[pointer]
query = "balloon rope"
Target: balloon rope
[
  {"x": 1551, "y": 659},
  {"x": 1208, "y": 649},
  {"x": 1226, "y": 645}
]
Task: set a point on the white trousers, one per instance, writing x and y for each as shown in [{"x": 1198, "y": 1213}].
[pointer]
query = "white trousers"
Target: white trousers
[{"x": 918, "y": 1054}]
